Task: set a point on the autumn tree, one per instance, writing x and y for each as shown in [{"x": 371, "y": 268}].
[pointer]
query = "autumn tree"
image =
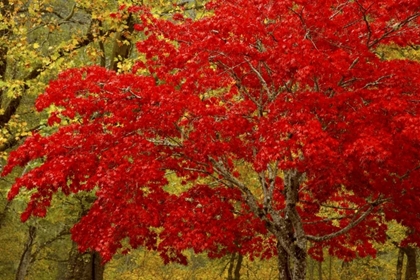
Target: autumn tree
[
  {"x": 288, "y": 129},
  {"x": 38, "y": 39}
]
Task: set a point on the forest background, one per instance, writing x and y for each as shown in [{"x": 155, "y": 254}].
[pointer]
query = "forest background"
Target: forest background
[{"x": 38, "y": 40}]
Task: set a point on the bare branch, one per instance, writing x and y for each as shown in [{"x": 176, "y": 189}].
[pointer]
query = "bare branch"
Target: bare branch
[
  {"x": 164, "y": 142},
  {"x": 308, "y": 31},
  {"x": 60, "y": 235},
  {"x": 328, "y": 220},
  {"x": 354, "y": 63},
  {"x": 377, "y": 82},
  {"x": 264, "y": 84},
  {"x": 338, "y": 9},
  {"x": 394, "y": 29},
  {"x": 260, "y": 77},
  {"x": 354, "y": 222},
  {"x": 404, "y": 176},
  {"x": 365, "y": 19},
  {"x": 238, "y": 81},
  {"x": 233, "y": 181}
]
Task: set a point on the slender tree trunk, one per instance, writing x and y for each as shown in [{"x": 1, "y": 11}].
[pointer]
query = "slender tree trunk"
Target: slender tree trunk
[
  {"x": 231, "y": 264},
  {"x": 319, "y": 270},
  {"x": 234, "y": 270},
  {"x": 330, "y": 268},
  {"x": 5, "y": 9},
  {"x": 84, "y": 266},
  {"x": 345, "y": 273},
  {"x": 237, "y": 272},
  {"x": 411, "y": 266},
  {"x": 98, "y": 267},
  {"x": 311, "y": 269},
  {"x": 26, "y": 257},
  {"x": 400, "y": 262},
  {"x": 122, "y": 45},
  {"x": 3, "y": 214}
]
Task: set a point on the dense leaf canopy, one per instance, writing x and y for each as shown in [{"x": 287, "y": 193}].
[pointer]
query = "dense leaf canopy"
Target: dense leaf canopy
[{"x": 272, "y": 113}]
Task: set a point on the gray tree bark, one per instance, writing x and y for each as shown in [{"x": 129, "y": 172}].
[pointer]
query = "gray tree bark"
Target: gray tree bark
[{"x": 26, "y": 257}]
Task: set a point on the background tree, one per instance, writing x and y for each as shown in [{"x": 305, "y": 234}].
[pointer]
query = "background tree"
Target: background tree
[
  {"x": 303, "y": 101},
  {"x": 38, "y": 39}
]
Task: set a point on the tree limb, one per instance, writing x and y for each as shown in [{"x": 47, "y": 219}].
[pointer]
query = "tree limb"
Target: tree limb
[{"x": 354, "y": 222}]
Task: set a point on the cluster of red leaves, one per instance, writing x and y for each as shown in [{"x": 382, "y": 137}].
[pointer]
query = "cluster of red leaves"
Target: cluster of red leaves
[{"x": 292, "y": 82}]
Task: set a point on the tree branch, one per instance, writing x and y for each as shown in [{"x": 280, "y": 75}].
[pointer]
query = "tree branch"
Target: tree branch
[
  {"x": 13, "y": 140},
  {"x": 365, "y": 19},
  {"x": 60, "y": 235},
  {"x": 394, "y": 28},
  {"x": 354, "y": 222}
]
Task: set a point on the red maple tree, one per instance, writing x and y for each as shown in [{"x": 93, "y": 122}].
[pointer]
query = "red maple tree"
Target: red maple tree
[{"x": 290, "y": 131}]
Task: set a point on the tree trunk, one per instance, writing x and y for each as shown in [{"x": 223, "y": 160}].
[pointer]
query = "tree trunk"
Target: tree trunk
[
  {"x": 231, "y": 264},
  {"x": 5, "y": 9},
  {"x": 291, "y": 267},
  {"x": 400, "y": 262},
  {"x": 237, "y": 272},
  {"x": 122, "y": 45},
  {"x": 26, "y": 257},
  {"x": 288, "y": 229},
  {"x": 299, "y": 262},
  {"x": 345, "y": 271},
  {"x": 234, "y": 271},
  {"x": 311, "y": 269},
  {"x": 84, "y": 266},
  {"x": 320, "y": 270},
  {"x": 4, "y": 213},
  {"x": 283, "y": 263},
  {"x": 291, "y": 239},
  {"x": 330, "y": 268},
  {"x": 411, "y": 266}
]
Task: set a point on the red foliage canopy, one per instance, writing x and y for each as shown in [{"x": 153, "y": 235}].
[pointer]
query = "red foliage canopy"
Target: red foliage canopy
[{"x": 274, "y": 111}]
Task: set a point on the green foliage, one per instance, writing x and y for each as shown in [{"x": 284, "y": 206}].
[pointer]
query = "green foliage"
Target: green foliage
[{"x": 144, "y": 265}]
